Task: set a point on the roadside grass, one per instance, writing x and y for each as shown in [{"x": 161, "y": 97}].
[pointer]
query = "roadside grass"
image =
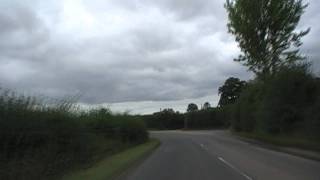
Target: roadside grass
[
  {"x": 113, "y": 166},
  {"x": 283, "y": 140}
]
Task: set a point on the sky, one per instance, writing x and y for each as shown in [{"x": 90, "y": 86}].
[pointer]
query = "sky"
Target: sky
[{"x": 129, "y": 55}]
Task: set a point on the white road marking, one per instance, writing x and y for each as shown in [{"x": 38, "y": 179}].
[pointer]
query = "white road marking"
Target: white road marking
[{"x": 234, "y": 168}]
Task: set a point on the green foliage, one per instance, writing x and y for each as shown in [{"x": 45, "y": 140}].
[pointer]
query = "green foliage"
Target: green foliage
[
  {"x": 204, "y": 119},
  {"x": 284, "y": 97},
  {"x": 284, "y": 103},
  {"x": 312, "y": 126},
  {"x": 123, "y": 127},
  {"x": 165, "y": 119},
  {"x": 243, "y": 112},
  {"x": 230, "y": 91},
  {"x": 266, "y": 32},
  {"x": 42, "y": 139},
  {"x": 288, "y": 95}
]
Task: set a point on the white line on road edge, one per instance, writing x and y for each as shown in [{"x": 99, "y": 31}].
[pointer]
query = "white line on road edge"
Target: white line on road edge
[{"x": 234, "y": 168}]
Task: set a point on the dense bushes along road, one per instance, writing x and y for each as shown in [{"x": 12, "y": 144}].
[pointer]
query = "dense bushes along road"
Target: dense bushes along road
[
  {"x": 43, "y": 140},
  {"x": 283, "y": 106},
  {"x": 286, "y": 103}
]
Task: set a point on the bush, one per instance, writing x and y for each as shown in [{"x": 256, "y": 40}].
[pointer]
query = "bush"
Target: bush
[
  {"x": 244, "y": 110},
  {"x": 165, "y": 119},
  {"x": 42, "y": 139},
  {"x": 312, "y": 124},
  {"x": 123, "y": 127},
  {"x": 132, "y": 130},
  {"x": 200, "y": 119},
  {"x": 204, "y": 119},
  {"x": 284, "y": 103},
  {"x": 287, "y": 97}
]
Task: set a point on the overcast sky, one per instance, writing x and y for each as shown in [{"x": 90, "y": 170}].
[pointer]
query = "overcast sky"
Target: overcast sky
[{"x": 137, "y": 55}]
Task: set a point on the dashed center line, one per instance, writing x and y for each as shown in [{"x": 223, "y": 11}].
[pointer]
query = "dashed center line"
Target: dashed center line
[
  {"x": 234, "y": 168},
  {"x": 229, "y": 164}
]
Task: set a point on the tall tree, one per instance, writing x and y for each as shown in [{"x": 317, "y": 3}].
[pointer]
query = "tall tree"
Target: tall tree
[
  {"x": 266, "y": 32},
  {"x": 230, "y": 91}
]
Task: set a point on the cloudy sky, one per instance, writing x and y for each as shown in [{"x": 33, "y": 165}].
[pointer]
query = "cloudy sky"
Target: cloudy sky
[{"x": 136, "y": 55}]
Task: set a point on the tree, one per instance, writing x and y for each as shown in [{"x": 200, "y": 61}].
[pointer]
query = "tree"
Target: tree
[
  {"x": 265, "y": 31},
  {"x": 206, "y": 106},
  {"x": 192, "y": 107},
  {"x": 165, "y": 119},
  {"x": 230, "y": 91}
]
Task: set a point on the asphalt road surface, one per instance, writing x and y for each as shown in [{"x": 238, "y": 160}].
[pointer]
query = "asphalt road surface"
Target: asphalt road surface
[{"x": 216, "y": 155}]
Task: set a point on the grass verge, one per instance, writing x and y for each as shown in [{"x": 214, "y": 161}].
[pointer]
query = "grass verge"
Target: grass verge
[
  {"x": 284, "y": 141},
  {"x": 112, "y": 166}
]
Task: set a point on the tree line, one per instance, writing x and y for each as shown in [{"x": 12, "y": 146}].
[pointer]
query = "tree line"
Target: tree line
[{"x": 206, "y": 117}]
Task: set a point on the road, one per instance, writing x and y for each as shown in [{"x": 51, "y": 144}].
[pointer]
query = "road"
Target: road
[{"x": 217, "y": 155}]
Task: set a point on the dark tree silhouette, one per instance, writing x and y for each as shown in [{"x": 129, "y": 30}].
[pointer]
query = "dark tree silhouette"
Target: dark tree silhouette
[
  {"x": 192, "y": 107},
  {"x": 230, "y": 91}
]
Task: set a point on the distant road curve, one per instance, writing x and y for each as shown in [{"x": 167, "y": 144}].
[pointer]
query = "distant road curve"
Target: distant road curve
[{"x": 216, "y": 155}]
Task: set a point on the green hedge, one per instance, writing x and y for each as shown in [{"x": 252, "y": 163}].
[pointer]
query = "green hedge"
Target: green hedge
[
  {"x": 284, "y": 103},
  {"x": 41, "y": 139}
]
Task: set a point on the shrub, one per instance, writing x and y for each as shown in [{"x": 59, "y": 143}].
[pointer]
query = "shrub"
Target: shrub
[
  {"x": 245, "y": 109},
  {"x": 165, "y": 119},
  {"x": 204, "y": 119},
  {"x": 132, "y": 129},
  {"x": 284, "y": 103},
  {"x": 287, "y": 96},
  {"x": 42, "y": 139}
]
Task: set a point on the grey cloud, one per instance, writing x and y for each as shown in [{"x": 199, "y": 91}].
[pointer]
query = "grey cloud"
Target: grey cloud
[
  {"x": 22, "y": 34},
  {"x": 311, "y": 45},
  {"x": 190, "y": 9},
  {"x": 158, "y": 63}
]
